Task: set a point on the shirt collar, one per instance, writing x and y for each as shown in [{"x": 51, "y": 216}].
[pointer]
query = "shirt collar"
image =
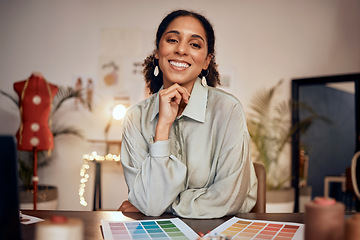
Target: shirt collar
[
  {"x": 156, "y": 106},
  {"x": 196, "y": 107}
]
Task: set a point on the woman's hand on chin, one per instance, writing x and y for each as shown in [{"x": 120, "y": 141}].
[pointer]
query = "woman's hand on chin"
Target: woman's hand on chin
[{"x": 169, "y": 105}]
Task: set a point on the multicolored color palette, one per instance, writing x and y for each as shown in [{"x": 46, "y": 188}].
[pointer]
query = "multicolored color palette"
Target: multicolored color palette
[
  {"x": 243, "y": 229},
  {"x": 163, "y": 229}
]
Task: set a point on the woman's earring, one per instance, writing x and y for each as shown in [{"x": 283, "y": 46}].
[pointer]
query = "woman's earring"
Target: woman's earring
[
  {"x": 203, "y": 79},
  {"x": 156, "y": 71}
]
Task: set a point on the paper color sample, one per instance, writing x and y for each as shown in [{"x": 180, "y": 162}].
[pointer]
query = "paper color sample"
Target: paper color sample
[
  {"x": 164, "y": 229},
  {"x": 26, "y": 219},
  {"x": 244, "y": 229}
]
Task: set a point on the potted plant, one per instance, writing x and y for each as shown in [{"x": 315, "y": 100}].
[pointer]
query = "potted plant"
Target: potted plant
[
  {"x": 270, "y": 129},
  {"x": 46, "y": 193}
]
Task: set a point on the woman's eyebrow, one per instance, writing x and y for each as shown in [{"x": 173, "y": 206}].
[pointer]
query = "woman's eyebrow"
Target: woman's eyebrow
[
  {"x": 173, "y": 31},
  {"x": 178, "y": 33},
  {"x": 197, "y": 36}
]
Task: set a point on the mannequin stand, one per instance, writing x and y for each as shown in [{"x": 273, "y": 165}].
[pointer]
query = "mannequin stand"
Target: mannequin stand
[{"x": 35, "y": 177}]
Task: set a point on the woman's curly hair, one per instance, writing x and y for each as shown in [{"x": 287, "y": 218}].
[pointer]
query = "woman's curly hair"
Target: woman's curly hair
[{"x": 154, "y": 83}]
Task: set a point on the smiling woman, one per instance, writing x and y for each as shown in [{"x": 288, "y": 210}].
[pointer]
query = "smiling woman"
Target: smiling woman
[
  {"x": 211, "y": 74},
  {"x": 185, "y": 149},
  {"x": 183, "y": 52}
]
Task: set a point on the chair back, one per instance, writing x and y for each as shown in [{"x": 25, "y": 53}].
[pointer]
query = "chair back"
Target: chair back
[
  {"x": 9, "y": 195},
  {"x": 260, "y": 206}
]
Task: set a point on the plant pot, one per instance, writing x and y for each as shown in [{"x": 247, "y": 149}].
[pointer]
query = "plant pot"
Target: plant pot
[
  {"x": 47, "y": 198},
  {"x": 280, "y": 201}
]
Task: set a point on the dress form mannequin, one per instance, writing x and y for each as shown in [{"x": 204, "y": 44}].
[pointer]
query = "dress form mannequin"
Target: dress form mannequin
[{"x": 35, "y": 101}]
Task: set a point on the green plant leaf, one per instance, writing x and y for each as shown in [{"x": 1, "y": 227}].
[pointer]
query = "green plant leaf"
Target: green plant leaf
[
  {"x": 270, "y": 130},
  {"x": 14, "y": 100}
]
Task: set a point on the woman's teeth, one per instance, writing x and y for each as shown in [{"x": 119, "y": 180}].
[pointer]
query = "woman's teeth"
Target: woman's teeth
[{"x": 178, "y": 64}]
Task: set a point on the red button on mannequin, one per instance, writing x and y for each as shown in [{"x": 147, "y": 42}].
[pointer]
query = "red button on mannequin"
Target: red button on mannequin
[{"x": 35, "y": 101}]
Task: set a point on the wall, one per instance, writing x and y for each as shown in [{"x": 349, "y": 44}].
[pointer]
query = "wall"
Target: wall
[{"x": 258, "y": 43}]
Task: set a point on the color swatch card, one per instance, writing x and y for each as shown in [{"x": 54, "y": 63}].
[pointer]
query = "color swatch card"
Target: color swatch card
[
  {"x": 243, "y": 229},
  {"x": 163, "y": 229}
]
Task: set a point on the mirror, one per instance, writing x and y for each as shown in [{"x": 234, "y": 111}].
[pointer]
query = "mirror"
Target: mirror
[{"x": 325, "y": 150}]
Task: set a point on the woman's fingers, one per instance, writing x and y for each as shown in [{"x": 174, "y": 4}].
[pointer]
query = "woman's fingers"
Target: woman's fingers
[
  {"x": 177, "y": 92},
  {"x": 167, "y": 96},
  {"x": 183, "y": 92}
]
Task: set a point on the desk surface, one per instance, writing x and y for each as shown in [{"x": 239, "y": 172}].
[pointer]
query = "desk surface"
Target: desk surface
[{"x": 92, "y": 223}]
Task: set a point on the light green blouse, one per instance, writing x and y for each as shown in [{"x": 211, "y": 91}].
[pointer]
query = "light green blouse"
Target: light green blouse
[{"x": 204, "y": 170}]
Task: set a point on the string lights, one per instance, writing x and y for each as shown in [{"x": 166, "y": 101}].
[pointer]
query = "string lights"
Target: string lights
[
  {"x": 93, "y": 157},
  {"x": 118, "y": 113}
]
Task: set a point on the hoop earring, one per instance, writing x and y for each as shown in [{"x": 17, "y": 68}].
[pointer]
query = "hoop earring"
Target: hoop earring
[
  {"x": 156, "y": 69},
  {"x": 203, "y": 79}
]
